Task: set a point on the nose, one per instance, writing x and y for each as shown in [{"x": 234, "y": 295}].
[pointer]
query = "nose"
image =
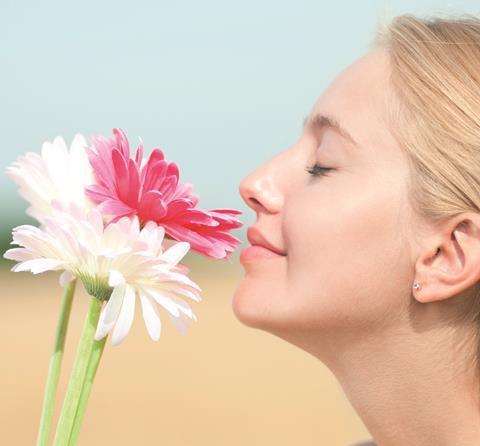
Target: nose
[{"x": 261, "y": 190}]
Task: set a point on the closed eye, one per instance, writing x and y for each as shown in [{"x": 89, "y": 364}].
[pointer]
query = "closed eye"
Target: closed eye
[{"x": 317, "y": 170}]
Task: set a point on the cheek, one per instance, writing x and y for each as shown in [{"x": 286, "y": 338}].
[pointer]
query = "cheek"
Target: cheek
[{"x": 348, "y": 263}]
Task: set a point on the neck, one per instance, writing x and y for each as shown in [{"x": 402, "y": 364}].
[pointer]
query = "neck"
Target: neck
[
  {"x": 409, "y": 386},
  {"x": 414, "y": 387},
  {"x": 409, "y": 402}
]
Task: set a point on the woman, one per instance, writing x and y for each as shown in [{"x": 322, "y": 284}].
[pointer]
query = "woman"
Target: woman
[{"x": 373, "y": 222}]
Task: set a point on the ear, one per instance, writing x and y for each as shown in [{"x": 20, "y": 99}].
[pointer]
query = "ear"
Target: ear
[{"x": 452, "y": 263}]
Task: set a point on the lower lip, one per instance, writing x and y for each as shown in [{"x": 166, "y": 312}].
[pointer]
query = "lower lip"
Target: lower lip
[{"x": 257, "y": 252}]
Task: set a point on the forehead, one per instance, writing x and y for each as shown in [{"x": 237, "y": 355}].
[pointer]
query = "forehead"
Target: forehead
[{"x": 357, "y": 99}]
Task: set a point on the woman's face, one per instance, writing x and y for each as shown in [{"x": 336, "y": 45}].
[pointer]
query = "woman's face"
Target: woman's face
[{"x": 348, "y": 268}]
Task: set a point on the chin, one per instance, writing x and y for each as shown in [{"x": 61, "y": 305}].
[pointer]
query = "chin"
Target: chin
[
  {"x": 253, "y": 303},
  {"x": 245, "y": 307}
]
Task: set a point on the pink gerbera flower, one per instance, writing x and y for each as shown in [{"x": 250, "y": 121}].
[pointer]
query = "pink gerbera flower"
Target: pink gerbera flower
[{"x": 150, "y": 189}]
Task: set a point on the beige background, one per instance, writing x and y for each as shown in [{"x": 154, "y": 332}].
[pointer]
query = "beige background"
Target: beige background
[{"x": 221, "y": 384}]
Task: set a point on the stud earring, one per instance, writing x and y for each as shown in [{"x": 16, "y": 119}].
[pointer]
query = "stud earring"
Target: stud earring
[{"x": 417, "y": 286}]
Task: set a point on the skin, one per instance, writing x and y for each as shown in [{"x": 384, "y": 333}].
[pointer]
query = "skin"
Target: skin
[{"x": 354, "y": 245}]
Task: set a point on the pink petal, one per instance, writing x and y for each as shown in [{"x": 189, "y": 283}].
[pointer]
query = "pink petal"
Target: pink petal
[
  {"x": 178, "y": 206},
  {"x": 139, "y": 155},
  {"x": 226, "y": 210},
  {"x": 152, "y": 175},
  {"x": 115, "y": 207},
  {"x": 182, "y": 233},
  {"x": 152, "y": 206},
  {"x": 168, "y": 186},
  {"x": 121, "y": 174},
  {"x": 98, "y": 193},
  {"x": 102, "y": 170},
  {"x": 122, "y": 142},
  {"x": 134, "y": 186},
  {"x": 197, "y": 217}
]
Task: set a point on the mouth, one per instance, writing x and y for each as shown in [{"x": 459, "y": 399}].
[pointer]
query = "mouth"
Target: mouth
[
  {"x": 256, "y": 238},
  {"x": 257, "y": 252}
]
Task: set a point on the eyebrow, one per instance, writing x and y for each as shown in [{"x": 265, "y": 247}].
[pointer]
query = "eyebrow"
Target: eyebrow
[{"x": 320, "y": 121}]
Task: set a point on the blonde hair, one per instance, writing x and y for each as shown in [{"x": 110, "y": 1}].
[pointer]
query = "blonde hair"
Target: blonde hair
[{"x": 435, "y": 117}]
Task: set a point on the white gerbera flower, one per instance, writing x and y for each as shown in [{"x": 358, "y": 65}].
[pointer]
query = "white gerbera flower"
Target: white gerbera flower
[
  {"x": 115, "y": 263},
  {"x": 58, "y": 174}
]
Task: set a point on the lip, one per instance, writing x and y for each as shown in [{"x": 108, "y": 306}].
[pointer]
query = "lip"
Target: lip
[
  {"x": 256, "y": 252},
  {"x": 255, "y": 237},
  {"x": 261, "y": 247}
]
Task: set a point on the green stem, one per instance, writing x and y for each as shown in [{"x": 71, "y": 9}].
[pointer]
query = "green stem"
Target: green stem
[
  {"x": 95, "y": 357},
  {"x": 54, "y": 365},
  {"x": 80, "y": 367}
]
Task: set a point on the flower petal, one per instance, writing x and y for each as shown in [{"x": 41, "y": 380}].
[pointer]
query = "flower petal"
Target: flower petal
[
  {"x": 190, "y": 294},
  {"x": 176, "y": 252},
  {"x": 110, "y": 312},
  {"x": 151, "y": 317},
  {"x": 115, "y": 278},
  {"x": 181, "y": 323},
  {"x": 66, "y": 277},
  {"x": 19, "y": 254},
  {"x": 164, "y": 301},
  {"x": 125, "y": 318},
  {"x": 37, "y": 266}
]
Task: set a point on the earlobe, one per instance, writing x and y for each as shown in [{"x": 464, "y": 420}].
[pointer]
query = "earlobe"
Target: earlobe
[{"x": 454, "y": 265}]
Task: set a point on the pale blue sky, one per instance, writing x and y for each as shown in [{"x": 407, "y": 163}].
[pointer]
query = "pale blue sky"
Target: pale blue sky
[{"x": 221, "y": 86}]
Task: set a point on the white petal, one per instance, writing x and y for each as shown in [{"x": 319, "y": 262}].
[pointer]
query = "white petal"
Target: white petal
[
  {"x": 79, "y": 168},
  {"x": 164, "y": 301},
  {"x": 19, "y": 254},
  {"x": 182, "y": 269},
  {"x": 125, "y": 318},
  {"x": 177, "y": 277},
  {"x": 77, "y": 150},
  {"x": 110, "y": 312},
  {"x": 181, "y": 323},
  {"x": 96, "y": 220},
  {"x": 176, "y": 252},
  {"x": 151, "y": 317},
  {"x": 115, "y": 278},
  {"x": 66, "y": 277},
  {"x": 187, "y": 281},
  {"x": 192, "y": 295},
  {"x": 56, "y": 158},
  {"x": 37, "y": 266},
  {"x": 183, "y": 306}
]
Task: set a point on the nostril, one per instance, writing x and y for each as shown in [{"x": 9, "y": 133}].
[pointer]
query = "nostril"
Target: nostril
[{"x": 254, "y": 201}]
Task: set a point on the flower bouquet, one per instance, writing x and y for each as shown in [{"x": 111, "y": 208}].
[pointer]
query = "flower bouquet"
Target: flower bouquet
[{"x": 120, "y": 226}]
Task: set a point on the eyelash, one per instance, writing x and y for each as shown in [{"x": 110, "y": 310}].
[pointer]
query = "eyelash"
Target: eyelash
[{"x": 317, "y": 170}]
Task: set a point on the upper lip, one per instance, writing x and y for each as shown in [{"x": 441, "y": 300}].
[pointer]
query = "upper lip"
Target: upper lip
[{"x": 255, "y": 237}]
